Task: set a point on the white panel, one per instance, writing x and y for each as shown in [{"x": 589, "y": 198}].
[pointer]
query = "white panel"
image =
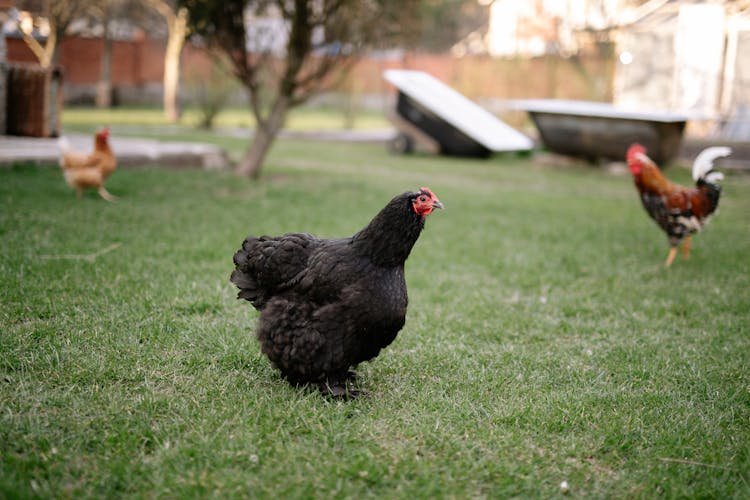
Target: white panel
[{"x": 459, "y": 111}]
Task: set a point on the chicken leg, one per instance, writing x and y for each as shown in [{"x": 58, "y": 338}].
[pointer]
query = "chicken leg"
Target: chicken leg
[
  {"x": 106, "y": 194},
  {"x": 670, "y": 257},
  {"x": 686, "y": 247}
]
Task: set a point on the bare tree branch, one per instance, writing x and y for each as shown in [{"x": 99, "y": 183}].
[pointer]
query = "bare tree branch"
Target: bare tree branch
[
  {"x": 320, "y": 38},
  {"x": 59, "y": 14}
]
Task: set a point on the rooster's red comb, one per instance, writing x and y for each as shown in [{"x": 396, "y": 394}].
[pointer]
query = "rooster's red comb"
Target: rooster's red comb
[{"x": 635, "y": 149}]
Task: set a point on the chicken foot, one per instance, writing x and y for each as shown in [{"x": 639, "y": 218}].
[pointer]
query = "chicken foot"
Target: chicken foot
[{"x": 341, "y": 386}]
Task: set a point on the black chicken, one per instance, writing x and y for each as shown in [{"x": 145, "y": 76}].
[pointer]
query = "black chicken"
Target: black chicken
[{"x": 328, "y": 304}]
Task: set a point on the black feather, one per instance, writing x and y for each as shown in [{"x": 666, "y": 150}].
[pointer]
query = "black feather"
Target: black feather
[{"x": 328, "y": 304}]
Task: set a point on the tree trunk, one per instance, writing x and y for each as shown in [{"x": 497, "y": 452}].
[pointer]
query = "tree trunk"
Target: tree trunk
[
  {"x": 104, "y": 86},
  {"x": 177, "y": 30},
  {"x": 265, "y": 134},
  {"x": 251, "y": 163},
  {"x": 44, "y": 54}
]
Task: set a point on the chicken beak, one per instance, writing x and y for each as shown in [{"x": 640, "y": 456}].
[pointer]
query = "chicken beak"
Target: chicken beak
[{"x": 437, "y": 204}]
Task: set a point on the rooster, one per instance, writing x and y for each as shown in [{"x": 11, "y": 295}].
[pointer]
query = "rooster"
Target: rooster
[
  {"x": 328, "y": 304},
  {"x": 679, "y": 211},
  {"x": 90, "y": 170}
]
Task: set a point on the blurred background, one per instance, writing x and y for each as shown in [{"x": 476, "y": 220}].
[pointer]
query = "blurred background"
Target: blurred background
[{"x": 686, "y": 57}]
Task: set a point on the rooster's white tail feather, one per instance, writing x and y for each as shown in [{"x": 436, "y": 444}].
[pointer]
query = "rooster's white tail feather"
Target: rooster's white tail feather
[{"x": 704, "y": 163}]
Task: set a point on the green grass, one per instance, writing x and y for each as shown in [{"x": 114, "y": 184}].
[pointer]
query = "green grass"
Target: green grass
[
  {"x": 544, "y": 341},
  {"x": 305, "y": 118},
  {"x": 231, "y": 131}
]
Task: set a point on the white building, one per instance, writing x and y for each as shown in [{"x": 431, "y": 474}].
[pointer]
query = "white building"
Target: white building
[
  {"x": 538, "y": 27},
  {"x": 689, "y": 57}
]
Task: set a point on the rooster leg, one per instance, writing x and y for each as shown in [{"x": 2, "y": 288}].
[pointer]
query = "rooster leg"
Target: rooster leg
[
  {"x": 106, "y": 194},
  {"x": 670, "y": 257},
  {"x": 686, "y": 247},
  {"x": 79, "y": 192}
]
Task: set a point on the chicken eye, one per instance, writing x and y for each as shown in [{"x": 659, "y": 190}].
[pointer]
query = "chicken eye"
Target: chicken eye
[{"x": 422, "y": 198}]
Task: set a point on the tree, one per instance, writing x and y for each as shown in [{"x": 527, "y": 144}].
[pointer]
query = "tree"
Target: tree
[
  {"x": 446, "y": 22},
  {"x": 285, "y": 51},
  {"x": 104, "y": 86},
  {"x": 110, "y": 20},
  {"x": 54, "y": 17},
  {"x": 210, "y": 90},
  {"x": 102, "y": 13},
  {"x": 176, "y": 17}
]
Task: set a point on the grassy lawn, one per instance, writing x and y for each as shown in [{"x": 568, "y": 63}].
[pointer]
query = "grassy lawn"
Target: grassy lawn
[
  {"x": 231, "y": 131},
  {"x": 300, "y": 119},
  {"x": 544, "y": 341}
]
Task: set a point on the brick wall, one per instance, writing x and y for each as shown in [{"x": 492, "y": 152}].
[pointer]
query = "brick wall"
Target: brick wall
[
  {"x": 137, "y": 69},
  {"x": 482, "y": 77},
  {"x": 137, "y": 66}
]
